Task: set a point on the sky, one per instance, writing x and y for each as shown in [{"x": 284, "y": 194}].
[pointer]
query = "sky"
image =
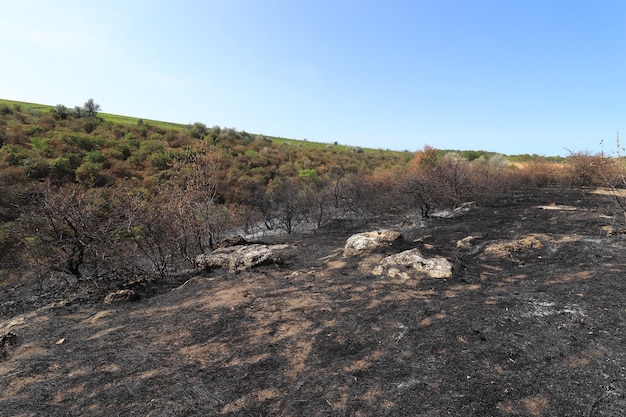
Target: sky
[{"x": 510, "y": 76}]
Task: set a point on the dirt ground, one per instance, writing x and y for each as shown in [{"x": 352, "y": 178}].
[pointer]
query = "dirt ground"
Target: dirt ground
[{"x": 530, "y": 324}]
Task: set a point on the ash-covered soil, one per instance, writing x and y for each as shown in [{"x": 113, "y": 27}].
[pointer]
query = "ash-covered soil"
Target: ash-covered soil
[{"x": 530, "y": 324}]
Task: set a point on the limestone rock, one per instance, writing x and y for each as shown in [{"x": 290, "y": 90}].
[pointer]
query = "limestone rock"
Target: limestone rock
[
  {"x": 411, "y": 264},
  {"x": 240, "y": 257},
  {"x": 364, "y": 242}
]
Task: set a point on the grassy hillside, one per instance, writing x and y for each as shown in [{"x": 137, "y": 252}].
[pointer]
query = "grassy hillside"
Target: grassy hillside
[
  {"x": 132, "y": 121},
  {"x": 95, "y": 196},
  {"x": 34, "y": 108}
]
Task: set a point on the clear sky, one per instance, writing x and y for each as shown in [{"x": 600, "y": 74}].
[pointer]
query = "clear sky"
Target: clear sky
[{"x": 510, "y": 76}]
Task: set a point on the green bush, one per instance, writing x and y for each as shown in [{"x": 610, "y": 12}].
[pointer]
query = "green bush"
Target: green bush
[
  {"x": 36, "y": 168},
  {"x": 132, "y": 140},
  {"x": 160, "y": 160},
  {"x": 95, "y": 156},
  {"x": 13, "y": 154},
  {"x": 151, "y": 146},
  {"x": 60, "y": 167},
  {"x": 88, "y": 172},
  {"x": 83, "y": 142}
]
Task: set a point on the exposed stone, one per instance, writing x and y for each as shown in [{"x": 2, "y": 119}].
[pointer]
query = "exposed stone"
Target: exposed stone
[
  {"x": 467, "y": 244},
  {"x": 240, "y": 257},
  {"x": 121, "y": 296},
  {"x": 364, "y": 242},
  {"x": 528, "y": 242},
  {"x": 411, "y": 264},
  {"x": 456, "y": 212}
]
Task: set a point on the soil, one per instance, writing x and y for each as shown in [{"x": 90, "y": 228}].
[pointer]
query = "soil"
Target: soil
[{"x": 530, "y": 324}]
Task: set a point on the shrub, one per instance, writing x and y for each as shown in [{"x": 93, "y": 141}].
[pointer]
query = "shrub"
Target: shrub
[
  {"x": 95, "y": 156},
  {"x": 88, "y": 172},
  {"x": 36, "y": 168},
  {"x": 587, "y": 170},
  {"x": 13, "y": 154},
  {"x": 121, "y": 151},
  {"x": 61, "y": 111},
  {"x": 160, "y": 160},
  {"x": 539, "y": 172},
  {"x": 148, "y": 147},
  {"x": 61, "y": 168},
  {"x": 86, "y": 143}
]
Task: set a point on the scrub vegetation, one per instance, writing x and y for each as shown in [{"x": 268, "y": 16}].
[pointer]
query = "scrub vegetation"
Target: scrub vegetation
[
  {"x": 90, "y": 196},
  {"x": 529, "y": 322}
]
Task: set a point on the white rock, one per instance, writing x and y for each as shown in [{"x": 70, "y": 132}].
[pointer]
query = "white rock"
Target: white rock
[
  {"x": 411, "y": 263},
  {"x": 238, "y": 258},
  {"x": 364, "y": 242}
]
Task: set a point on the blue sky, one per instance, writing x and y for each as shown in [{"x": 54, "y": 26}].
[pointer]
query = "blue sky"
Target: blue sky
[{"x": 506, "y": 76}]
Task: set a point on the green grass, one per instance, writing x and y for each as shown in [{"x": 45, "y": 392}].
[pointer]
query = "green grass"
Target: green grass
[
  {"x": 127, "y": 120},
  {"x": 28, "y": 107}
]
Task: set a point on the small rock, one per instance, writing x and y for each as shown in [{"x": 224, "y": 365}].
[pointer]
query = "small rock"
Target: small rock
[
  {"x": 121, "y": 296},
  {"x": 467, "y": 244}
]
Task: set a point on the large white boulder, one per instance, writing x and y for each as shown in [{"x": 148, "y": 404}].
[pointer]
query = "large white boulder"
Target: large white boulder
[
  {"x": 411, "y": 264},
  {"x": 240, "y": 257},
  {"x": 368, "y": 241}
]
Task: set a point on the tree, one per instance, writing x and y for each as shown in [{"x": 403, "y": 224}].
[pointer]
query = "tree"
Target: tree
[
  {"x": 70, "y": 229},
  {"x": 416, "y": 191},
  {"x": 453, "y": 183},
  {"x": 198, "y": 130},
  {"x": 61, "y": 111},
  {"x": 91, "y": 108},
  {"x": 178, "y": 221},
  {"x": 287, "y": 200},
  {"x": 319, "y": 198}
]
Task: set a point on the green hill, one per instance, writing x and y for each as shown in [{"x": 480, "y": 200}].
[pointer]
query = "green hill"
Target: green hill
[{"x": 86, "y": 195}]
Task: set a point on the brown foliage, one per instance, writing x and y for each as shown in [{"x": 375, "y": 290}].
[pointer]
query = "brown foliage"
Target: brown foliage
[{"x": 587, "y": 170}]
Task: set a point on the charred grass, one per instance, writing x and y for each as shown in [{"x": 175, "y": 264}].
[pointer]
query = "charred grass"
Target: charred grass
[{"x": 532, "y": 329}]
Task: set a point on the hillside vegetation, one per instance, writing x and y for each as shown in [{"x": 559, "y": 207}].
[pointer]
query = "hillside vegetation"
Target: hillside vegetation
[{"x": 88, "y": 197}]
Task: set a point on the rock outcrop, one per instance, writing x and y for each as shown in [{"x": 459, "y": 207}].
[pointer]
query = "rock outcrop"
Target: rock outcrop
[
  {"x": 411, "y": 264},
  {"x": 365, "y": 242},
  {"x": 240, "y": 257}
]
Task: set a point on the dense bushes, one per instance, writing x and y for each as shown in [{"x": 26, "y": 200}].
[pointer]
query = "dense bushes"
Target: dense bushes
[{"x": 111, "y": 200}]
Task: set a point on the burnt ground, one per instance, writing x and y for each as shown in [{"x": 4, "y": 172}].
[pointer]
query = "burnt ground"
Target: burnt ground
[{"x": 530, "y": 324}]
